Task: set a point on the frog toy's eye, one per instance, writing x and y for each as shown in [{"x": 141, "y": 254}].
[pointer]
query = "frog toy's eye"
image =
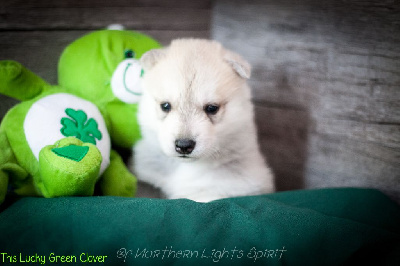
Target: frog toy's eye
[{"x": 129, "y": 54}]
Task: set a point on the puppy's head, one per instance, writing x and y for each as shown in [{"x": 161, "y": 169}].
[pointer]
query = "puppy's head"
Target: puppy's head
[{"x": 195, "y": 97}]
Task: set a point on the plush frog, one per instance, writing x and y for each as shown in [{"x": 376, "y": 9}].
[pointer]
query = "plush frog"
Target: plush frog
[{"x": 58, "y": 140}]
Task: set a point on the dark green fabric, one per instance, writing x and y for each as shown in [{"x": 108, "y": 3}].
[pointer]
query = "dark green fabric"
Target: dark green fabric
[{"x": 309, "y": 227}]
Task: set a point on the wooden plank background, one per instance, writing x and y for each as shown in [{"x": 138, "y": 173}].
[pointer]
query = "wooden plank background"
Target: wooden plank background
[
  {"x": 326, "y": 82},
  {"x": 326, "y": 74}
]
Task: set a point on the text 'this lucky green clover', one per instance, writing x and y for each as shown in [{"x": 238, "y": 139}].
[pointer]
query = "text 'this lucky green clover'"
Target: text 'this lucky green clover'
[{"x": 79, "y": 126}]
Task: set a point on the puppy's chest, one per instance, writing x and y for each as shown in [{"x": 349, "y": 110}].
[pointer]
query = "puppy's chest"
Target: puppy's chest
[
  {"x": 193, "y": 172},
  {"x": 188, "y": 171},
  {"x": 187, "y": 178},
  {"x": 191, "y": 180}
]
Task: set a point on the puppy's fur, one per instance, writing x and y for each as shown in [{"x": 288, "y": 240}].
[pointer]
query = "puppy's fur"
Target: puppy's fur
[{"x": 198, "y": 133}]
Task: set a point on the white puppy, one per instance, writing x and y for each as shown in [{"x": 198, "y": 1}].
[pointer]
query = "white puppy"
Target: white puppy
[{"x": 199, "y": 139}]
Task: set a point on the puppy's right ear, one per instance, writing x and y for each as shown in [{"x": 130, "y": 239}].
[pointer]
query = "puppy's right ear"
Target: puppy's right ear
[
  {"x": 241, "y": 66},
  {"x": 150, "y": 58}
]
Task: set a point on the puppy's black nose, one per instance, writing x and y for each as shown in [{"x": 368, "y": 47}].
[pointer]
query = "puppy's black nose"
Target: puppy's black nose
[{"x": 184, "y": 146}]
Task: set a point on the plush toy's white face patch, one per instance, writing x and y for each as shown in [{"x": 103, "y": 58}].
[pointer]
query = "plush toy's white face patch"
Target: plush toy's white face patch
[
  {"x": 61, "y": 115},
  {"x": 125, "y": 82}
]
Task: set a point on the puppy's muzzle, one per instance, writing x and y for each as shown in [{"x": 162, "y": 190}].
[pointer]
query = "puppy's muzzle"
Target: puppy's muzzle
[{"x": 184, "y": 146}]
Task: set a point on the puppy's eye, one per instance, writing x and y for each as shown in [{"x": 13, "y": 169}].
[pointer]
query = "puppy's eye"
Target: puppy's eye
[
  {"x": 211, "y": 109},
  {"x": 165, "y": 107}
]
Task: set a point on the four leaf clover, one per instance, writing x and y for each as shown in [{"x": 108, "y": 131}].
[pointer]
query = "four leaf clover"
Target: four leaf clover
[{"x": 79, "y": 126}]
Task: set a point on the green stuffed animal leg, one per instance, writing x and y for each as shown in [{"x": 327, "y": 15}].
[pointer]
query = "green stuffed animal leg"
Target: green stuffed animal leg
[
  {"x": 68, "y": 168},
  {"x": 18, "y": 82},
  {"x": 3, "y": 185},
  {"x": 9, "y": 168},
  {"x": 117, "y": 180}
]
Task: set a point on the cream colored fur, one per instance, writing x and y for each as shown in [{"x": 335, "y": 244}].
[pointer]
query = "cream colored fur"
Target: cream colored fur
[{"x": 225, "y": 162}]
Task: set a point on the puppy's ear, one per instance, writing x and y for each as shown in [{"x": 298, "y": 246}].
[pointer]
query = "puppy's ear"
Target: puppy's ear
[
  {"x": 150, "y": 58},
  {"x": 241, "y": 66}
]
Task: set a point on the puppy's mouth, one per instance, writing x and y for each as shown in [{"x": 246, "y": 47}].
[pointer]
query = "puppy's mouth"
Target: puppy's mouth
[{"x": 185, "y": 158}]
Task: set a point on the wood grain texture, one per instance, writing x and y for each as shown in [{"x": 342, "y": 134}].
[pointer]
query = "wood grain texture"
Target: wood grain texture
[
  {"x": 283, "y": 136},
  {"x": 81, "y": 18},
  {"x": 194, "y": 4},
  {"x": 328, "y": 69}
]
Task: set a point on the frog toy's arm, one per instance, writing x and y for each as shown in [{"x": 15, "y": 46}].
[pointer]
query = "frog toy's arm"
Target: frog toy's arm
[
  {"x": 117, "y": 180},
  {"x": 10, "y": 169},
  {"x": 18, "y": 82},
  {"x": 6, "y": 162}
]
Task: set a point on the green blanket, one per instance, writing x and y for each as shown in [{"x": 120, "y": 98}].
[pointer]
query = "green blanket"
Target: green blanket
[{"x": 308, "y": 227}]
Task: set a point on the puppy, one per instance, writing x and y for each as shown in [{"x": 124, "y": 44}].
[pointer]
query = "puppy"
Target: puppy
[{"x": 199, "y": 139}]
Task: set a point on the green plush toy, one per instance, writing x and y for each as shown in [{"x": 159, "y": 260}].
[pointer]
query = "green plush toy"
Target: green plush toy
[
  {"x": 57, "y": 141},
  {"x": 102, "y": 67}
]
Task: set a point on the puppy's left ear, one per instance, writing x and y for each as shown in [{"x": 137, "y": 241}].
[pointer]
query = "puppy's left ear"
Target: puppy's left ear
[
  {"x": 151, "y": 58},
  {"x": 241, "y": 66}
]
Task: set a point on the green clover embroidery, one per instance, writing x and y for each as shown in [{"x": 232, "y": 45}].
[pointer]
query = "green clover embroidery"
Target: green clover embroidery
[{"x": 79, "y": 126}]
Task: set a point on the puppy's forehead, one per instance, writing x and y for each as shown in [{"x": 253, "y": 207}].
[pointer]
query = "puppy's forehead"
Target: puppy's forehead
[{"x": 195, "y": 70}]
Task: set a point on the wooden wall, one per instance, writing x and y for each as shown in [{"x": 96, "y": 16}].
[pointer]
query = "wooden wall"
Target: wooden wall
[
  {"x": 35, "y": 32},
  {"x": 326, "y": 83}
]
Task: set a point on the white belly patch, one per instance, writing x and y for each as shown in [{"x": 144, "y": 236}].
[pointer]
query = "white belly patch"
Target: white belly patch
[{"x": 63, "y": 115}]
